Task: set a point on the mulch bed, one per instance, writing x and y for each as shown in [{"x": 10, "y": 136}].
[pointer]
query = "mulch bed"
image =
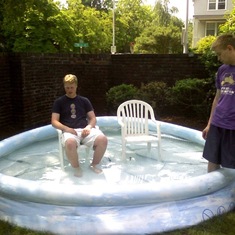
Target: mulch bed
[{"x": 187, "y": 122}]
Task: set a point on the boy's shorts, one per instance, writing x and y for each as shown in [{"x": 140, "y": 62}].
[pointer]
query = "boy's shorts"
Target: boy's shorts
[
  {"x": 88, "y": 140},
  {"x": 220, "y": 147}
]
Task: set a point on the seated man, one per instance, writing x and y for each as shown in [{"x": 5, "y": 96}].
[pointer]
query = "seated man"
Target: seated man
[{"x": 74, "y": 115}]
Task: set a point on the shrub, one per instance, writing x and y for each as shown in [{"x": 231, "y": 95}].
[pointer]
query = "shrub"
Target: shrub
[
  {"x": 204, "y": 44},
  {"x": 190, "y": 97},
  {"x": 156, "y": 94},
  {"x": 208, "y": 57},
  {"x": 119, "y": 94}
]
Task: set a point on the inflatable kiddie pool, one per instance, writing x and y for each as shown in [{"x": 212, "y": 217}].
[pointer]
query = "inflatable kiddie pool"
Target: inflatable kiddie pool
[{"x": 110, "y": 207}]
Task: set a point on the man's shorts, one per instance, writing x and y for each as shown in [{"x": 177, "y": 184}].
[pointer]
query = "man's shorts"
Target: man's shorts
[
  {"x": 88, "y": 140},
  {"x": 220, "y": 147}
]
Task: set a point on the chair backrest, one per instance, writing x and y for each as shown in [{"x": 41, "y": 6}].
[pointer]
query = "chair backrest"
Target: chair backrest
[{"x": 133, "y": 116}]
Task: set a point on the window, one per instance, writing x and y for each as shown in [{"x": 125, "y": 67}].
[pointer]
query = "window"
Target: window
[
  {"x": 216, "y": 4},
  {"x": 221, "y": 4},
  {"x": 212, "y": 4},
  {"x": 212, "y": 28}
]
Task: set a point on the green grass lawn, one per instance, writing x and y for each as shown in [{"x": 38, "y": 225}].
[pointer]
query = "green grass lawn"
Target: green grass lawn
[{"x": 219, "y": 225}]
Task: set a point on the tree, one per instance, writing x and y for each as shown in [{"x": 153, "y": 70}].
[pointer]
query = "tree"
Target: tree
[
  {"x": 164, "y": 34},
  {"x": 131, "y": 18},
  {"x": 96, "y": 30},
  {"x": 47, "y": 26},
  {"x": 2, "y": 38},
  {"x": 229, "y": 25},
  {"x": 161, "y": 40},
  {"x": 90, "y": 26},
  {"x": 162, "y": 16},
  {"x": 36, "y": 26},
  {"x": 98, "y": 4}
]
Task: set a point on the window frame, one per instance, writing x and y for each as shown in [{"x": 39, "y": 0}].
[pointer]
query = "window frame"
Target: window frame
[
  {"x": 216, "y": 27},
  {"x": 216, "y": 4}
]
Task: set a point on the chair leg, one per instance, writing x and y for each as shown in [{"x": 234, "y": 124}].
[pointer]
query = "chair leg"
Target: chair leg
[
  {"x": 88, "y": 149},
  {"x": 123, "y": 151},
  {"x": 149, "y": 148},
  {"x": 61, "y": 149},
  {"x": 159, "y": 142},
  {"x": 61, "y": 155},
  {"x": 159, "y": 150}
]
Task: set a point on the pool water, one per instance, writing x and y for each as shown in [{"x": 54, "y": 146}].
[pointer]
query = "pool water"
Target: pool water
[{"x": 39, "y": 161}]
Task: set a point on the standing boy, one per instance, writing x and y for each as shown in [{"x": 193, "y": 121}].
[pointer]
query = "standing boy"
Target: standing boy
[{"x": 219, "y": 133}]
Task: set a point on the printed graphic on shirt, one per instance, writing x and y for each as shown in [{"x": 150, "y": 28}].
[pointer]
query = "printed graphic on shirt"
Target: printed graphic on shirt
[
  {"x": 73, "y": 111},
  {"x": 226, "y": 84},
  {"x": 228, "y": 80}
]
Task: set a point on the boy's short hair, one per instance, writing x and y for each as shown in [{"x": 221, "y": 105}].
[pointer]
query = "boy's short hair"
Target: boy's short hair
[
  {"x": 70, "y": 78},
  {"x": 223, "y": 41}
]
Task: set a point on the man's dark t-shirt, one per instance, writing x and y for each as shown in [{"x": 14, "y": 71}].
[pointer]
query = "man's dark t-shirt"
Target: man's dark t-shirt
[{"x": 73, "y": 111}]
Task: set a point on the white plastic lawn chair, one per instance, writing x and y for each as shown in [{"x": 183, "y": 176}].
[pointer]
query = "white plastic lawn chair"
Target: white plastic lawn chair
[
  {"x": 62, "y": 149},
  {"x": 134, "y": 117}
]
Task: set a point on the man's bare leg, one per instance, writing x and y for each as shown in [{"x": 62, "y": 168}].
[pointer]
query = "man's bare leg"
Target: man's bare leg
[
  {"x": 100, "y": 146},
  {"x": 72, "y": 155},
  {"x": 212, "y": 167}
]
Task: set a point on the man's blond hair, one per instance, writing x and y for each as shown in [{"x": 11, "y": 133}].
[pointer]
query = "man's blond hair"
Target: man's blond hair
[
  {"x": 223, "y": 41},
  {"x": 70, "y": 78}
]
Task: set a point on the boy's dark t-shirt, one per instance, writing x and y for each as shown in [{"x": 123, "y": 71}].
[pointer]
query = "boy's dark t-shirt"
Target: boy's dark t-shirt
[{"x": 73, "y": 111}]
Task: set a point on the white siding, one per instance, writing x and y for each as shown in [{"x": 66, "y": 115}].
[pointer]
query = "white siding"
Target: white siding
[{"x": 204, "y": 18}]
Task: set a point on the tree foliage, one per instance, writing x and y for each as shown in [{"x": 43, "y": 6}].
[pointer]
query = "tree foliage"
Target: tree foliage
[
  {"x": 208, "y": 57},
  {"x": 98, "y": 4},
  {"x": 90, "y": 26},
  {"x": 38, "y": 26},
  {"x": 229, "y": 25},
  {"x": 164, "y": 33},
  {"x": 47, "y": 26},
  {"x": 131, "y": 19}
]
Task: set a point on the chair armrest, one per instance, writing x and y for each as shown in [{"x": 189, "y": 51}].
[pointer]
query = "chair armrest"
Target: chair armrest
[
  {"x": 120, "y": 122},
  {"x": 59, "y": 131}
]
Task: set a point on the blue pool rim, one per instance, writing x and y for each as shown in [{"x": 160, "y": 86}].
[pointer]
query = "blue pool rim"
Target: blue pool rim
[{"x": 211, "y": 189}]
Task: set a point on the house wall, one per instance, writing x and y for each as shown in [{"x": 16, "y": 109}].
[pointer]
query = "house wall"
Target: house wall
[
  {"x": 202, "y": 15},
  {"x": 29, "y": 83},
  {"x": 201, "y": 8}
]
